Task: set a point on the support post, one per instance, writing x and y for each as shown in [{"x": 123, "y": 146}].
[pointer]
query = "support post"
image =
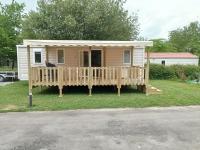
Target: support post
[
  {"x": 119, "y": 90},
  {"x": 104, "y": 57},
  {"x": 90, "y": 71},
  {"x": 60, "y": 91},
  {"x": 47, "y": 54},
  {"x": 90, "y": 91},
  {"x": 132, "y": 48},
  {"x": 147, "y": 72},
  {"x": 29, "y": 76}
]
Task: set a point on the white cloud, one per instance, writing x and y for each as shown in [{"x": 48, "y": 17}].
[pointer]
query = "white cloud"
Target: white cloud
[{"x": 158, "y": 17}]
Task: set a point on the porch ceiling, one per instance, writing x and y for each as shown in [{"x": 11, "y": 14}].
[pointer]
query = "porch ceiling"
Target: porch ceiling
[{"x": 85, "y": 43}]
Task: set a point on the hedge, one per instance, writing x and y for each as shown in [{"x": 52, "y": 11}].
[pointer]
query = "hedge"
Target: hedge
[{"x": 183, "y": 72}]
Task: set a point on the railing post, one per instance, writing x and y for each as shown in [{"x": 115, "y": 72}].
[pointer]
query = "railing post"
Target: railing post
[
  {"x": 147, "y": 72},
  {"x": 90, "y": 72}
]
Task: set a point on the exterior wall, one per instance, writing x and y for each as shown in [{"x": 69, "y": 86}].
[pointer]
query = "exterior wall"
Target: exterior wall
[
  {"x": 113, "y": 57},
  {"x": 138, "y": 56},
  {"x": 168, "y": 62},
  {"x": 23, "y": 62}
]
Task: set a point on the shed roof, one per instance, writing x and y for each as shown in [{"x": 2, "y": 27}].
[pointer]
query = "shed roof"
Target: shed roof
[
  {"x": 167, "y": 55},
  {"x": 83, "y": 43}
]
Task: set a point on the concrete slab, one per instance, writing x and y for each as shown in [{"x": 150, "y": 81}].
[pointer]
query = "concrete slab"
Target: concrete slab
[{"x": 111, "y": 129}]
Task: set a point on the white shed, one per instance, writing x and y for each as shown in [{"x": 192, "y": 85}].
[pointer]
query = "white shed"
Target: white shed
[{"x": 167, "y": 58}]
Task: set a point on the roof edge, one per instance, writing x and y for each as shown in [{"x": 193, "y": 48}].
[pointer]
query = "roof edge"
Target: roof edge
[{"x": 86, "y": 43}]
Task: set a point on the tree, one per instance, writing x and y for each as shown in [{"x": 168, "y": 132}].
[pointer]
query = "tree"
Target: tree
[
  {"x": 161, "y": 45},
  {"x": 10, "y": 28},
  {"x": 80, "y": 20},
  {"x": 186, "y": 39}
]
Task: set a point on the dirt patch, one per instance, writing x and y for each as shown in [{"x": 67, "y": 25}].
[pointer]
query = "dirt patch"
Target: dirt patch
[{"x": 9, "y": 107}]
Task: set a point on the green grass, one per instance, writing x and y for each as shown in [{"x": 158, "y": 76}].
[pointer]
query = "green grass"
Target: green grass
[
  {"x": 13, "y": 97},
  {"x": 7, "y": 69}
]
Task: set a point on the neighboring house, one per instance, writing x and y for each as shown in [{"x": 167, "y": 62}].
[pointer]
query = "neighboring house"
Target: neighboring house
[
  {"x": 168, "y": 58},
  {"x": 82, "y": 63}
]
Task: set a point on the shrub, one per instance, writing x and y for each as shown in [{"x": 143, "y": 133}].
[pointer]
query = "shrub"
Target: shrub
[
  {"x": 161, "y": 72},
  {"x": 182, "y": 72}
]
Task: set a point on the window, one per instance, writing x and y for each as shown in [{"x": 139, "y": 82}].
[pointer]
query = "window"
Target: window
[
  {"x": 127, "y": 57},
  {"x": 163, "y": 62},
  {"x": 60, "y": 56},
  {"x": 38, "y": 57}
]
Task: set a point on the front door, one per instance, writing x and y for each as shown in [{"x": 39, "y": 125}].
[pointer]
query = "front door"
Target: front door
[{"x": 95, "y": 58}]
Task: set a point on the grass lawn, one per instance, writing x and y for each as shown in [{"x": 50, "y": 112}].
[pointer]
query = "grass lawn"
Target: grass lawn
[
  {"x": 13, "y": 97},
  {"x": 7, "y": 69}
]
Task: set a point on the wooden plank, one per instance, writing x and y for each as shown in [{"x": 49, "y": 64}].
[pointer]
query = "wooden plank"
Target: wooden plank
[
  {"x": 77, "y": 81},
  {"x": 95, "y": 75},
  {"x": 69, "y": 75},
  {"x": 147, "y": 71},
  {"x": 54, "y": 75},
  {"x": 46, "y": 73},
  {"x": 102, "y": 74},
  {"x": 132, "y": 49},
  {"x": 50, "y": 75},
  {"x": 47, "y": 54}
]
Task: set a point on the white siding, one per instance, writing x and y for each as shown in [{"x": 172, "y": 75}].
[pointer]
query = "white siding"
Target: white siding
[
  {"x": 23, "y": 62},
  {"x": 138, "y": 56},
  {"x": 183, "y": 61},
  {"x": 52, "y": 55}
]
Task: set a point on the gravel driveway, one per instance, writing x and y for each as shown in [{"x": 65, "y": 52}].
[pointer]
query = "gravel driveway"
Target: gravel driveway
[{"x": 175, "y": 128}]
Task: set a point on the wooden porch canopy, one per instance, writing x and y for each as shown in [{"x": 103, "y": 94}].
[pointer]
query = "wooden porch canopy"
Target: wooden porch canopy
[{"x": 86, "y": 43}]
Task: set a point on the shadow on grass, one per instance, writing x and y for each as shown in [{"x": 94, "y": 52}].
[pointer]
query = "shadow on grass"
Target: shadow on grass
[{"x": 84, "y": 90}]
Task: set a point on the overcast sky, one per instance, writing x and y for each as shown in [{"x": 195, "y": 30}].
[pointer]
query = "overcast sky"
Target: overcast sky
[{"x": 156, "y": 17}]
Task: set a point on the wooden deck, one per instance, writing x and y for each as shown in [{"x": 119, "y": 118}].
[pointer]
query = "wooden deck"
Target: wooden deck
[{"x": 87, "y": 76}]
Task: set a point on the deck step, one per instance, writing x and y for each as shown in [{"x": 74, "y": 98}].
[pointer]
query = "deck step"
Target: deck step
[{"x": 153, "y": 90}]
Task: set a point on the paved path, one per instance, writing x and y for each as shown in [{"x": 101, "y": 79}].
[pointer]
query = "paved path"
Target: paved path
[{"x": 176, "y": 128}]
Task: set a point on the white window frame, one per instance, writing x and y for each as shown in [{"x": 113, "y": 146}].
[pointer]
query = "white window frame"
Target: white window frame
[
  {"x": 57, "y": 55},
  {"x": 37, "y": 50},
  {"x": 124, "y": 59}
]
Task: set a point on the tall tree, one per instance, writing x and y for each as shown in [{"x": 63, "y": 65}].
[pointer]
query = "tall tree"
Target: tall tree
[
  {"x": 186, "y": 38},
  {"x": 80, "y": 20},
  {"x": 10, "y": 28},
  {"x": 161, "y": 45}
]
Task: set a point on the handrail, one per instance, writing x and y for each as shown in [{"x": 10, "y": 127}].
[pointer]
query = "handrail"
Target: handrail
[{"x": 86, "y": 76}]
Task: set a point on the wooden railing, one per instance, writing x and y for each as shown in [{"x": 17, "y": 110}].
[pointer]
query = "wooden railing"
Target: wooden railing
[{"x": 85, "y": 76}]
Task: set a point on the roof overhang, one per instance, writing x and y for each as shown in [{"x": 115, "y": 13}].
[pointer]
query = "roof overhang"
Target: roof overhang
[{"x": 87, "y": 43}]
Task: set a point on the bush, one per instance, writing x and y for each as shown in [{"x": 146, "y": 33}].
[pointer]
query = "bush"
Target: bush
[
  {"x": 161, "y": 72},
  {"x": 183, "y": 72}
]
